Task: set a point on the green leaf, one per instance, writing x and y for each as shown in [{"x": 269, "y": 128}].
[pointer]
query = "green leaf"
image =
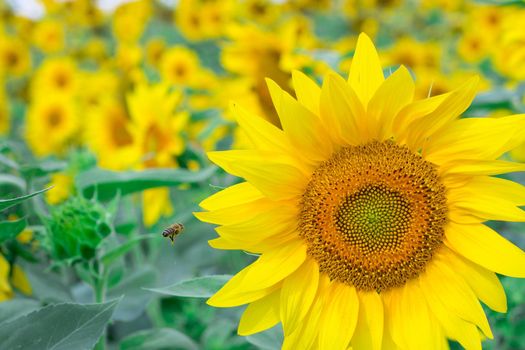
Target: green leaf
[
  {"x": 134, "y": 298},
  {"x": 7, "y": 179},
  {"x": 7, "y": 203},
  {"x": 10, "y": 229},
  {"x": 200, "y": 287},
  {"x": 106, "y": 184},
  {"x": 8, "y": 162},
  {"x": 58, "y": 327},
  {"x": 12, "y": 309},
  {"x": 113, "y": 254},
  {"x": 42, "y": 168},
  {"x": 157, "y": 339},
  {"x": 270, "y": 339}
]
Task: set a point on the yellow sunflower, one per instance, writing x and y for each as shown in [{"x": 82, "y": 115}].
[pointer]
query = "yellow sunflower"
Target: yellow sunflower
[
  {"x": 52, "y": 124},
  {"x": 12, "y": 277},
  {"x": 56, "y": 76},
  {"x": 49, "y": 36},
  {"x": 367, "y": 209},
  {"x": 15, "y": 58}
]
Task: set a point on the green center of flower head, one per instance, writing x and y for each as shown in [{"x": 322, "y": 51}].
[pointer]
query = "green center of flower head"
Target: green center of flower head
[{"x": 372, "y": 215}]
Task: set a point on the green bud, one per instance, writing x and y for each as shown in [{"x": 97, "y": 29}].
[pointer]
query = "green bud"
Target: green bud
[{"x": 75, "y": 228}]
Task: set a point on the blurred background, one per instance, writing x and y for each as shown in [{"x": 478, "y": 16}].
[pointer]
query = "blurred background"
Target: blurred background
[{"x": 115, "y": 103}]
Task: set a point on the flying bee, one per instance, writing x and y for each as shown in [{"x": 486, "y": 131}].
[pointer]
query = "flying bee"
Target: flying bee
[{"x": 173, "y": 231}]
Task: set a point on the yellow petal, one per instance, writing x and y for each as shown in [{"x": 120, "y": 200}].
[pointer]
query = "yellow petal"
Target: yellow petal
[
  {"x": 456, "y": 295},
  {"x": 411, "y": 324},
  {"x": 303, "y": 128},
  {"x": 487, "y": 248},
  {"x": 489, "y": 198},
  {"x": 307, "y": 91},
  {"x": 231, "y": 196},
  {"x": 394, "y": 93},
  {"x": 366, "y": 74},
  {"x": 305, "y": 335},
  {"x": 271, "y": 173},
  {"x": 454, "y": 327},
  {"x": 413, "y": 112},
  {"x": 260, "y": 315},
  {"x": 475, "y": 138},
  {"x": 238, "y": 213},
  {"x": 235, "y": 292},
  {"x": 369, "y": 329},
  {"x": 480, "y": 167},
  {"x": 454, "y": 104},
  {"x": 20, "y": 281},
  {"x": 263, "y": 134},
  {"x": 261, "y": 277},
  {"x": 342, "y": 112},
  {"x": 483, "y": 282},
  {"x": 277, "y": 220},
  {"x": 297, "y": 294},
  {"x": 339, "y": 317}
]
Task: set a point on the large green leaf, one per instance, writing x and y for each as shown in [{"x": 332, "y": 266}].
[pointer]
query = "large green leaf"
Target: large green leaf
[
  {"x": 106, "y": 184},
  {"x": 12, "y": 309},
  {"x": 157, "y": 339},
  {"x": 7, "y": 203},
  {"x": 200, "y": 287},
  {"x": 10, "y": 229},
  {"x": 58, "y": 327}
]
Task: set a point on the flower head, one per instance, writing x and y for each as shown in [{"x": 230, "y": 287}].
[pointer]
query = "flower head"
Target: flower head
[{"x": 367, "y": 209}]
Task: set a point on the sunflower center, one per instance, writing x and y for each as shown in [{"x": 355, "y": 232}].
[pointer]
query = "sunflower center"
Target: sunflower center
[{"x": 373, "y": 215}]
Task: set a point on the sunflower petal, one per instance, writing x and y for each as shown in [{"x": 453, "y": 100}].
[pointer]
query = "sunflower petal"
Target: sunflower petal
[
  {"x": 366, "y": 74},
  {"x": 455, "y": 328},
  {"x": 480, "y": 167},
  {"x": 277, "y": 220},
  {"x": 260, "y": 315},
  {"x": 369, "y": 329},
  {"x": 456, "y": 295},
  {"x": 487, "y": 248},
  {"x": 236, "y": 213},
  {"x": 237, "y": 194},
  {"x": 271, "y": 173},
  {"x": 304, "y": 128},
  {"x": 297, "y": 295},
  {"x": 307, "y": 91},
  {"x": 483, "y": 138},
  {"x": 263, "y": 134},
  {"x": 394, "y": 93},
  {"x": 483, "y": 282},
  {"x": 454, "y": 104},
  {"x": 235, "y": 291},
  {"x": 342, "y": 112},
  {"x": 339, "y": 318}
]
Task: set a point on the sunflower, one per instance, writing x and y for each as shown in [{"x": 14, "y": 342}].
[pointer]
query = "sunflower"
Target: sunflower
[
  {"x": 56, "y": 76},
  {"x": 49, "y": 36},
  {"x": 179, "y": 66},
  {"x": 15, "y": 58},
  {"x": 367, "y": 209},
  {"x": 51, "y": 125}
]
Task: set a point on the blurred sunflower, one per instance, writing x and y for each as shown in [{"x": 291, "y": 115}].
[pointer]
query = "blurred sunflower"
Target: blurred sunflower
[
  {"x": 49, "y": 36},
  {"x": 15, "y": 58},
  {"x": 156, "y": 129},
  {"x": 12, "y": 277},
  {"x": 367, "y": 208},
  {"x": 109, "y": 137},
  {"x": 5, "y": 118},
  {"x": 55, "y": 76},
  {"x": 51, "y": 125},
  {"x": 179, "y": 65}
]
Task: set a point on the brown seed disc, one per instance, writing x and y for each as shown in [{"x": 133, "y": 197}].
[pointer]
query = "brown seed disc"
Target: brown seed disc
[{"x": 372, "y": 215}]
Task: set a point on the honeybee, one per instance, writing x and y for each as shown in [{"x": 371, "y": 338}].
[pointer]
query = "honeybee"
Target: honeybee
[{"x": 173, "y": 231}]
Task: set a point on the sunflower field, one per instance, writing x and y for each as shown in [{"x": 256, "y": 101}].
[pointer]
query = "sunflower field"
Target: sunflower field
[{"x": 262, "y": 174}]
